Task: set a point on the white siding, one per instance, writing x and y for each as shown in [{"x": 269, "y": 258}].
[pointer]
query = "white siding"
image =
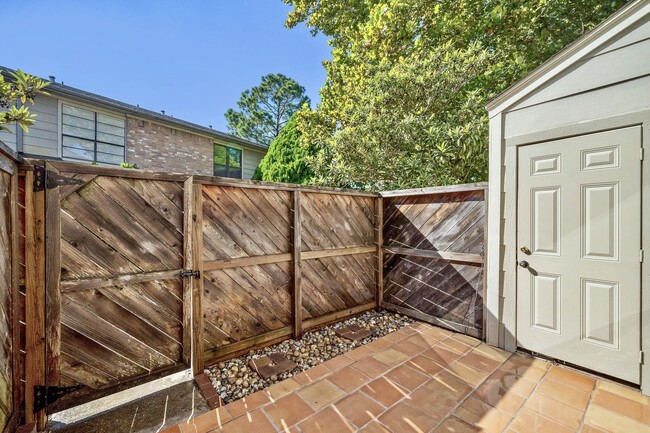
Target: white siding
[
  {"x": 614, "y": 79},
  {"x": 252, "y": 159},
  {"x": 9, "y": 138},
  {"x": 43, "y": 138}
]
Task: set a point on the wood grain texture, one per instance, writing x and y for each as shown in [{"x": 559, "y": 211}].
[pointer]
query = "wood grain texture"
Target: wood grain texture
[
  {"x": 34, "y": 296},
  {"x": 433, "y": 256},
  {"x": 8, "y": 294},
  {"x": 117, "y": 308}
]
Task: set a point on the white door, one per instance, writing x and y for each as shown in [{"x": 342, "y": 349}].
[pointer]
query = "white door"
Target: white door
[{"x": 579, "y": 235}]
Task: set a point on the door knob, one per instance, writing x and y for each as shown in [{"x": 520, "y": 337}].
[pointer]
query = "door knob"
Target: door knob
[
  {"x": 525, "y": 250},
  {"x": 524, "y": 264}
]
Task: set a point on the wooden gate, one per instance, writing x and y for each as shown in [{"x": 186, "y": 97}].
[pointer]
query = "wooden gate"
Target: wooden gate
[{"x": 116, "y": 304}]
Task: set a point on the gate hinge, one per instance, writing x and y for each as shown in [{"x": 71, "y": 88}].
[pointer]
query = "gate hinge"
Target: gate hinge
[
  {"x": 642, "y": 153},
  {"x": 641, "y": 256},
  {"x": 49, "y": 179},
  {"x": 44, "y": 395},
  {"x": 641, "y": 357},
  {"x": 190, "y": 273}
]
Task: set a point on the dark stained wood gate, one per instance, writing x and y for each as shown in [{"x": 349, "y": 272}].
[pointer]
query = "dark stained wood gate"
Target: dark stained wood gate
[{"x": 116, "y": 243}]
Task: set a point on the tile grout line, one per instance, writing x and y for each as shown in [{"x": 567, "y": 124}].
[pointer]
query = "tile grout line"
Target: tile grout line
[
  {"x": 447, "y": 348},
  {"x": 516, "y": 414},
  {"x": 591, "y": 399},
  {"x": 471, "y": 393}
]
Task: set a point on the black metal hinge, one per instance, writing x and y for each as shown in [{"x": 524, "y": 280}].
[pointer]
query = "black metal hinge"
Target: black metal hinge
[
  {"x": 190, "y": 273},
  {"x": 44, "y": 395},
  {"x": 49, "y": 179}
]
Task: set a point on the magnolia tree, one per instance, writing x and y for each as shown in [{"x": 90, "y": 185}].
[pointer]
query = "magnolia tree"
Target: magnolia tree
[
  {"x": 14, "y": 94},
  {"x": 403, "y": 104}
]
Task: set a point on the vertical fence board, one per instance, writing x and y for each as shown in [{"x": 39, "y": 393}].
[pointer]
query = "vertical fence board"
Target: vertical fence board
[
  {"x": 296, "y": 290},
  {"x": 188, "y": 264},
  {"x": 52, "y": 281},
  {"x": 34, "y": 297},
  {"x": 197, "y": 284},
  {"x": 379, "y": 241}
]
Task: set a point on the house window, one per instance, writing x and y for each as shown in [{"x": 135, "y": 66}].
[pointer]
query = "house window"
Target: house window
[
  {"x": 227, "y": 161},
  {"x": 91, "y": 136}
]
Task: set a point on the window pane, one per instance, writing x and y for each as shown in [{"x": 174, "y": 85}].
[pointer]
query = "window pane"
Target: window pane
[
  {"x": 221, "y": 170},
  {"x": 219, "y": 154},
  {"x": 236, "y": 173},
  {"x": 113, "y": 150},
  {"x": 79, "y": 112},
  {"x": 110, "y": 129},
  {"x": 109, "y": 159},
  {"x": 235, "y": 158},
  {"x": 78, "y": 143},
  {"x": 78, "y": 132},
  {"x": 110, "y": 138},
  {"x": 69, "y": 152},
  {"x": 78, "y": 121},
  {"x": 110, "y": 120}
]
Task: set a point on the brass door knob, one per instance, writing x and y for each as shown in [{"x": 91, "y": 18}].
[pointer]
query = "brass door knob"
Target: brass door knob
[{"x": 525, "y": 250}]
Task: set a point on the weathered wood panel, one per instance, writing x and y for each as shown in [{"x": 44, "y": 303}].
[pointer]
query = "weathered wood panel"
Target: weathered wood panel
[
  {"x": 246, "y": 302},
  {"x": 7, "y": 297},
  {"x": 336, "y": 221},
  {"x": 433, "y": 265},
  {"x": 122, "y": 246},
  {"x": 274, "y": 259}
]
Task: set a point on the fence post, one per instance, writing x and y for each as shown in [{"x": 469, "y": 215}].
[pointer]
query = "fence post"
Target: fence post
[
  {"x": 34, "y": 297},
  {"x": 188, "y": 263},
  {"x": 197, "y": 283},
  {"x": 296, "y": 292},
  {"x": 379, "y": 242},
  {"x": 52, "y": 281}
]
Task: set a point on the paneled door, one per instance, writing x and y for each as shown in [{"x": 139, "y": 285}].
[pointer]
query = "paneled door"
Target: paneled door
[{"x": 578, "y": 252}]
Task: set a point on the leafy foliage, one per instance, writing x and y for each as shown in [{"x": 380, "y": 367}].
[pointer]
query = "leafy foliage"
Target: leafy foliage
[
  {"x": 22, "y": 89},
  {"x": 403, "y": 105},
  {"x": 265, "y": 109},
  {"x": 286, "y": 160}
]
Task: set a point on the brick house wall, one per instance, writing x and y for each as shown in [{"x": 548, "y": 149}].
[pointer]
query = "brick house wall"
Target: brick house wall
[{"x": 160, "y": 148}]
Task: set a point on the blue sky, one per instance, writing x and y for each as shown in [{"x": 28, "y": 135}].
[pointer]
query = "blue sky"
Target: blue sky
[{"x": 191, "y": 58}]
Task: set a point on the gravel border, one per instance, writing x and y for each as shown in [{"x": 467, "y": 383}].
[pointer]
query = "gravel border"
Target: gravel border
[{"x": 234, "y": 379}]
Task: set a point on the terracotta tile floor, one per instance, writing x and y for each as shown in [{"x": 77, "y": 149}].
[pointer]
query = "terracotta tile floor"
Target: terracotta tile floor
[{"x": 425, "y": 379}]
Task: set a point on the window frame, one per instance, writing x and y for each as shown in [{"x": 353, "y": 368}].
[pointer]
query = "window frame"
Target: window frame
[
  {"x": 96, "y": 112},
  {"x": 240, "y": 149}
]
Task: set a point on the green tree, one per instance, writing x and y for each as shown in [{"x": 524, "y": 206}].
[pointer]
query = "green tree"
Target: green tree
[
  {"x": 286, "y": 160},
  {"x": 13, "y": 98},
  {"x": 403, "y": 102},
  {"x": 265, "y": 109}
]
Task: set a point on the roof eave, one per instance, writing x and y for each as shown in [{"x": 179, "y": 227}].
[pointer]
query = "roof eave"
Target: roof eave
[{"x": 617, "y": 22}]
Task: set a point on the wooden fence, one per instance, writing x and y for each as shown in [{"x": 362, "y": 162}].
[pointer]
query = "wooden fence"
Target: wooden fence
[
  {"x": 9, "y": 293},
  {"x": 276, "y": 260},
  {"x": 434, "y": 243},
  {"x": 129, "y": 275}
]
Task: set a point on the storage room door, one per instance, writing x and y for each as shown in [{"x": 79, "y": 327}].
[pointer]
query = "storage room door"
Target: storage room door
[{"x": 579, "y": 235}]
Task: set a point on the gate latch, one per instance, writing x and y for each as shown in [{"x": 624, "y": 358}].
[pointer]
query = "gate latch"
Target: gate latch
[
  {"x": 44, "y": 395},
  {"x": 49, "y": 179},
  {"x": 190, "y": 273}
]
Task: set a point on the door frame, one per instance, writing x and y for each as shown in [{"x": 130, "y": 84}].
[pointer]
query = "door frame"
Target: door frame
[{"x": 508, "y": 313}]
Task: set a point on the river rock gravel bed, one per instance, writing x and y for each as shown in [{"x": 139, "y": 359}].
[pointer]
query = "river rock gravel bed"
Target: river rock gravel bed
[{"x": 234, "y": 379}]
